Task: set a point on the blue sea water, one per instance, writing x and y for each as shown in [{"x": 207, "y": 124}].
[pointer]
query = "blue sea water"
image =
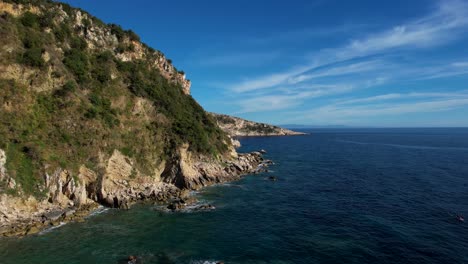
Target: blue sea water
[{"x": 342, "y": 196}]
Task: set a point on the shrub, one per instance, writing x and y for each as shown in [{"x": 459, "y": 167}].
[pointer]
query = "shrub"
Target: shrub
[
  {"x": 33, "y": 57},
  {"x": 32, "y": 40},
  {"x": 62, "y": 32},
  {"x": 77, "y": 62},
  {"x": 68, "y": 88},
  {"x": 117, "y": 31},
  {"x": 78, "y": 43},
  {"x": 91, "y": 113},
  {"x": 132, "y": 35},
  {"x": 86, "y": 22},
  {"x": 29, "y": 19},
  {"x": 46, "y": 20}
]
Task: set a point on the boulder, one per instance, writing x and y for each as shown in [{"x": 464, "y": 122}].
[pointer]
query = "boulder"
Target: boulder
[
  {"x": 272, "y": 178},
  {"x": 53, "y": 215}
]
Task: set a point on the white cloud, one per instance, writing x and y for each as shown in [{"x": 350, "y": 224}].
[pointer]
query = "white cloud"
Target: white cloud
[
  {"x": 442, "y": 26},
  {"x": 343, "y": 112},
  {"x": 461, "y": 64},
  {"x": 432, "y": 30},
  {"x": 392, "y": 96}
]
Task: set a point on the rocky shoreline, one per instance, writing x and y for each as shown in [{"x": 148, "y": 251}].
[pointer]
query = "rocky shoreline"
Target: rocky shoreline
[
  {"x": 71, "y": 201},
  {"x": 238, "y": 127}
]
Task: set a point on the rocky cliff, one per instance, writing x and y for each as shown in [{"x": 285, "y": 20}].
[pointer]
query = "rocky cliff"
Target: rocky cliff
[
  {"x": 90, "y": 115},
  {"x": 238, "y": 127}
]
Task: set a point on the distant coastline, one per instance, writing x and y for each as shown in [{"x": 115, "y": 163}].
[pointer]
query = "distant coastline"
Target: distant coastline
[{"x": 238, "y": 127}]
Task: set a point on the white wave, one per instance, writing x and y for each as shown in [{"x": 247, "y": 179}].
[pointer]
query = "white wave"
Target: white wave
[
  {"x": 101, "y": 209},
  {"x": 204, "y": 262},
  {"x": 47, "y": 230}
]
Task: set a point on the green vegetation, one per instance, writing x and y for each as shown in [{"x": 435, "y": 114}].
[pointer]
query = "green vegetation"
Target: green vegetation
[
  {"x": 260, "y": 128},
  {"x": 33, "y": 57},
  {"x": 89, "y": 103},
  {"x": 77, "y": 62}
]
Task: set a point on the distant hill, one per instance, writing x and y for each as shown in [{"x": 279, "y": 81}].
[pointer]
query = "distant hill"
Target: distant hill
[{"x": 236, "y": 126}]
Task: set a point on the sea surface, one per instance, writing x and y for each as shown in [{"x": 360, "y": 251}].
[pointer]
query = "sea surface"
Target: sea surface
[{"x": 342, "y": 196}]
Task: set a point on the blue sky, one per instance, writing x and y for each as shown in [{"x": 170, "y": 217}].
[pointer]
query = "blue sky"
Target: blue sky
[{"x": 314, "y": 62}]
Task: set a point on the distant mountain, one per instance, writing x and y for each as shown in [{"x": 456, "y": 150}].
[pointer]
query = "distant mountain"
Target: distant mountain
[{"x": 236, "y": 126}]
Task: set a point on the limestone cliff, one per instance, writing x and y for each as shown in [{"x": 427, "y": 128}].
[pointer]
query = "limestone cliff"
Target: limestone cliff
[
  {"x": 238, "y": 127},
  {"x": 97, "y": 36},
  {"x": 90, "y": 115}
]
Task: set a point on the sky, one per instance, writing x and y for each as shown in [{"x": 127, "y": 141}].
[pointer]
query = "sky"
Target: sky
[{"x": 312, "y": 62}]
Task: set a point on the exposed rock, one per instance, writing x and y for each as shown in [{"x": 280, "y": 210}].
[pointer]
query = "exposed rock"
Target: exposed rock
[
  {"x": 2, "y": 164},
  {"x": 238, "y": 127},
  {"x": 32, "y": 230},
  {"x": 176, "y": 205},
  {"x": 106, "y": 176},
  {"x": 53, "y": 216},
  {"x": 272, "y": 178},
  {"x": 205, "y": 207}
]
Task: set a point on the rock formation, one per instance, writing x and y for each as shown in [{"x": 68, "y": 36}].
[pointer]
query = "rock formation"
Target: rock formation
[
  {"x": 238, "y": 127},
  {"x": 90, "y": 116}
]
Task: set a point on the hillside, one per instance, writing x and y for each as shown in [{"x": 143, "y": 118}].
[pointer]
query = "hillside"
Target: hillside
[
  {"x": 235, "y": 126},
  {"x": 91, "y": 115}
]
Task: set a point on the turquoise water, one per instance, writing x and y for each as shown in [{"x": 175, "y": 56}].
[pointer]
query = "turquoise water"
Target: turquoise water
[{"x": 342, "y": 196}]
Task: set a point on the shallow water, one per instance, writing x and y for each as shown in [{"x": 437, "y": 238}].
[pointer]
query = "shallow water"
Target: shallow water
[{"x": 342, "y": 196}]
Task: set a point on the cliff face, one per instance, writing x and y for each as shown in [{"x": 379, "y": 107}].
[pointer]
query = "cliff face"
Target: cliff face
[
  {"x": 90, "y": 115},
  {"x": 97, "y": 36},
  {"x": 236, "y": 127}
]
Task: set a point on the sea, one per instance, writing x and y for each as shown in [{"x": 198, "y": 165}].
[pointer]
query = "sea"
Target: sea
[{"x": 341, "y": 196}]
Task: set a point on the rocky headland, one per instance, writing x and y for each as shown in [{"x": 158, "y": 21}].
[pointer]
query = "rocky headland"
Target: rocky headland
[
  {"x": 91, "y": 116},
  {"x": 68, "y": 199},
  {"x": 238, "y": 127}
]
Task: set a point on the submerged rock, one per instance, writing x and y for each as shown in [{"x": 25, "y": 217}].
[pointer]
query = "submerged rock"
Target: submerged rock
[
  {"x": 272, "y": 178},
  {"x": 205, "y": 207}
]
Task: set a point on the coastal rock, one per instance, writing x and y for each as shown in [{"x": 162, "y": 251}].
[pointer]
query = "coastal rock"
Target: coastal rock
[
  {"x": 205, "y": 207},
  {"x": 238, "y": 127},
  {"x": 272, "y": 178},
  {"x": 79, "y": 163}
]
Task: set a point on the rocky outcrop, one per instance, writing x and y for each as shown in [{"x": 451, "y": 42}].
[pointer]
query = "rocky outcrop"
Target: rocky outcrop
[
  {"x": 75, "y": 137},
  {"x": 238, "y": 127},
  {"x": 69, "y": 198},
  {"x": 187, "y": 172},
  {"x": 2, "y": 164},
  {"x": 98, "y": 36}
]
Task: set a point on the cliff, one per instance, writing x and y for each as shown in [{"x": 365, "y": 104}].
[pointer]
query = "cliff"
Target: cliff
[
  {"x": 238, "y": 127},
  {"x": 90, "y": 115}
]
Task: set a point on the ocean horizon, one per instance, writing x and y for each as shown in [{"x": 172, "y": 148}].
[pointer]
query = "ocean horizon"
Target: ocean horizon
[{"x": 360, "y": 196}]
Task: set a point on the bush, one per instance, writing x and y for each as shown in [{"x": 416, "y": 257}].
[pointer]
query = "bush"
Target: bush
[
  {"x": 62, "y": 32},
  {"x": 132, "y": 35},
  {"x": 117, "y": 31},
  {"x": 32, "y": 40},
  {"x": 33, "y": 57},
  {"x": 29, "y": 19},
  {"x": 77, "y": 62},
  {"x": 46, "y": 20},
  {"x": 78, "y": 43},
  {"x": 68, "y": 88}
]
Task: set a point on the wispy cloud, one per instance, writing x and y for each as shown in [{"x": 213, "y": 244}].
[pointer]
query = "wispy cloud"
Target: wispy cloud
[
  {"x": 393, "y": 96},
  {"x": 356, "y": 109},
  {"x": 435, "y": 29}
]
